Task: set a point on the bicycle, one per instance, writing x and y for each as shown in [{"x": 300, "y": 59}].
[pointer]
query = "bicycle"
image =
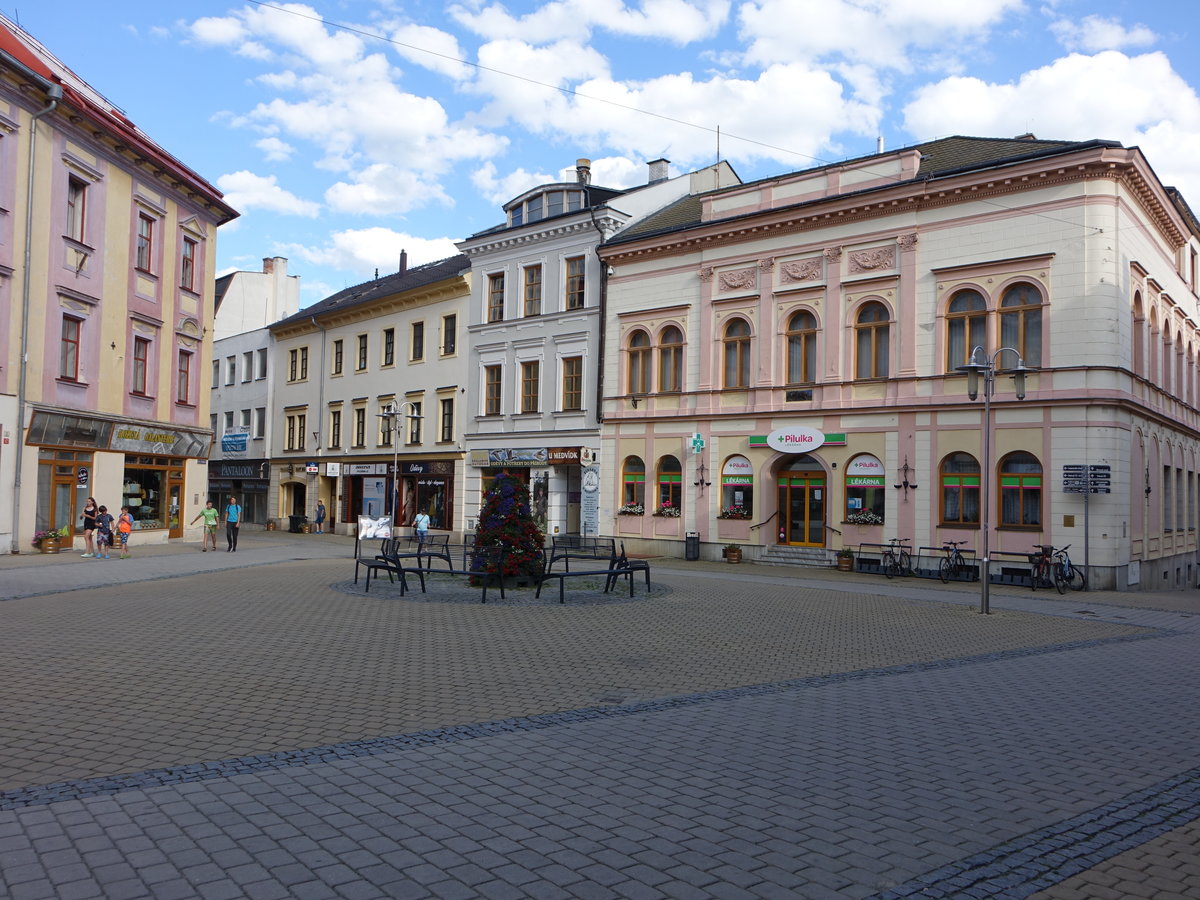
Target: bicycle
[
  {"x": 954, "y": 563},
  {"x": 1041, "y": 574},
  {"x": 1066, "y": 575},
  {"x": 896, "y": 558}
]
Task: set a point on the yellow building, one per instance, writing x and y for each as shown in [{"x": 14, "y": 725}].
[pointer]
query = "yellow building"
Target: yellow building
[{"x": 107, "y": 252}]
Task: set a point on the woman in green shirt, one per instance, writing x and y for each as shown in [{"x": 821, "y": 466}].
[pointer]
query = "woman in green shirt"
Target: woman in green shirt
[{"x": 210, "y": 515}]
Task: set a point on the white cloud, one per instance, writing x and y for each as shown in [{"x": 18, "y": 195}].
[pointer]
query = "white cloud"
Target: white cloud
[
  {"x": 383, "y": 190},
  {"x": 438, "y": 50},
  {"x": 499, "y": 190},
  {"x": 1092, "y": 34},
  {"x": 1135, "y": 100},
  {"x": 880, "y": 33},
  {"x": 677, "y": 21},
  {"x": 274, "y": 149},
  {"x": 245, "y": 191},
  {"x": 367, "y": 249}
]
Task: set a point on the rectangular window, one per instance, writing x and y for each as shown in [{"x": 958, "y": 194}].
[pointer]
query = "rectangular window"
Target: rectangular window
[
  {"x": 230, "y": 369},
  {"x": 495, "y": 303},
  {"x": 362, "y": 353},
  {"x": 229, "y": 421},
  {"x": 247, "y": 366},
  {"x": 449, "y": 335},
  {"x": 246, "y": 419},
  {"x": 387, "y": 425},
  {"x": 68, "y": 356},
  {"x": 183, "y": 378},
  {"x": 572, "y": 385},
  {"x": 141, "y": 362},
  {"x": 389, "y": 346},
  {"x": 296, "y": 425},
  {"x": 145, "y": 242},
  {"x": 187, "y": 265},
  {"x": 575, "y": 282},
  {"x": 260, "y": 422},
  {"x": 337, "y": 357},
  {"x": 414, "y": 424},
  {"x": 491, "y": 390},
  {"x": 212, "y": 422},
  {"x": 447, "y": 420},
  {"x": 335, "y": 429},
  {"x": 530, "y": 372},
  {"x": 262, "y": 365},
  {"x": 533, "y": 290},
  {"x": 360, "y": 427},
  {"x": 303, "y": 363},
  {"x": 418, "y": 342},
  {"x": 76, "y": 207},
  {"x": 216, "y": 382},
  {"x": 293, "y": 365}
]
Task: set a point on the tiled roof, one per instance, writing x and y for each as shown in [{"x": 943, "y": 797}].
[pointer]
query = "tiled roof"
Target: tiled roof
[
  {"x": 938, "y": 158},
  {"x": 383, "y": 286}
]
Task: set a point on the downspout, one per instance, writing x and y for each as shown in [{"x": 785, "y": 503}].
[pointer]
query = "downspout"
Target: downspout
[
  {"x": 54, "y": 94},
  {"x": 603, "y": 320},
  {"x": 321, "y": 414}
]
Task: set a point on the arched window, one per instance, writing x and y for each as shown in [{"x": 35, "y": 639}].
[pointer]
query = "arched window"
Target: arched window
[
  {"x": 737, "y": 354},
  {"x": 960, "y": 489},
  {"x": 1020, "y": 490},
  {"x": 670, "y": 360},
  {"x": 737, "y": 489},
  {"x": 1168, "y": 356},
  {"x": 1139, "y": 335},
  {"x": 802, "y": 348},
  {"x": 639, "y": 363},
  {"x": 871, "y": 340},
  {"x": 670, "y": 487},
  {"x": 1021, "y": 322},
  {"x": 966, "y": 327},
  {"x": 633, "y": 486}
]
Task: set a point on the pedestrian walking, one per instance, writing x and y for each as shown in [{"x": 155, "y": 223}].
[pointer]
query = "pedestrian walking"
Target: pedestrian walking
[
  {"x": 320, "y": 517},
  {"x": 104, "y": 533},
  {"x": 421, "y": 524},
  {"x": 124, "y": 529},
  {"x": 90, "y": 511},
  {"x": 210, "y": 514},
  {"x": 233, "y": 521}
]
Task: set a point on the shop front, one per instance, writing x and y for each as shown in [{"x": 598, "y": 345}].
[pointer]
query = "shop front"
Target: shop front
[
  {"x": 246, "y": 479},
  {"x": 141, "y": 465},
  {"x": 554, "y": 476},
  {"x": 370, "y": 489}
]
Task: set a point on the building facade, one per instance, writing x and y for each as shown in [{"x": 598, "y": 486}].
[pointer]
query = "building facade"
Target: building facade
[
  {"x": 243, "y": 377},
  {"x": 785, "y": 364},
  {"x": 107, "y": 250},
  {"x": 367, "y": 401},
  {"x": 535, "y": 338}
]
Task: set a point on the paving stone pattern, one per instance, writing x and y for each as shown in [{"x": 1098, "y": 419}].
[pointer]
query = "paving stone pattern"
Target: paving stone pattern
[{"x": 255, "y": 733}]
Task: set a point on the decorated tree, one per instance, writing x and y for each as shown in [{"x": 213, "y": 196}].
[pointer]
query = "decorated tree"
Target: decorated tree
[{"x": 506, "y": 519}]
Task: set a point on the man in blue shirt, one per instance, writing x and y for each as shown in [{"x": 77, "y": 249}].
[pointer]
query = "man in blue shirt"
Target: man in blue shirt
[{"x": 233, "y": 519}]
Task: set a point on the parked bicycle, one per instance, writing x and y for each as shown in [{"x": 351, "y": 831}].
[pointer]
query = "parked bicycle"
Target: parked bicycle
[
  {"x": 1066, "y": 574},
  {"x": 896, "y": 558},
  {"x": 953, "y": 564},
  {"x": 1042, "y": 563}
]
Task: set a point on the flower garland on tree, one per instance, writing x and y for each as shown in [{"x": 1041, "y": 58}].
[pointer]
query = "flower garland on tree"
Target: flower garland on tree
[{"x": 506, "y": 519}]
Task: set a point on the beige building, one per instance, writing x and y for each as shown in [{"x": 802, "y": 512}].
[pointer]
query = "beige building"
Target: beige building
[{"x": 107, "y": 251}]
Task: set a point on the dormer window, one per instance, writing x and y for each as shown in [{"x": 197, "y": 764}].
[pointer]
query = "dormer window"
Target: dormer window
[{"x": 543, "y": 205}]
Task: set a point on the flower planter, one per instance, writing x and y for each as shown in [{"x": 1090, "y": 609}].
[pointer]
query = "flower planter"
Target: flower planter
[
  {"x": 845, "y": 563},
  {"x": 733, "y": 554},
  {"x": 50, "y": 545}
]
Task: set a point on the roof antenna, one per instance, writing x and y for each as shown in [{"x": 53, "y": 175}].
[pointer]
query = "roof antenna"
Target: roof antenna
[{"x": 718, "y": 143}]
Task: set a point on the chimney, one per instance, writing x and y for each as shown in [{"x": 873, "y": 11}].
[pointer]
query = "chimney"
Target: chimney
[
  {"x": 403, "y": 261},
  {"x": 583, "y": 171},
  {"x": 268, "y": 265},
  {"x": 1027, "y": 136},
  {"x": 659, "y": 170},
  {"x": 879, "y": 144}
]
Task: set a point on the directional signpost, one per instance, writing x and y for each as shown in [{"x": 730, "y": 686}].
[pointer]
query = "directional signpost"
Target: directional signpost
[{"x": 1086, "y": 479}]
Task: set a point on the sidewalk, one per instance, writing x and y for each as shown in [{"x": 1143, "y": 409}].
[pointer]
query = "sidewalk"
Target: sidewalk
[{"x": 244, "y": 726}]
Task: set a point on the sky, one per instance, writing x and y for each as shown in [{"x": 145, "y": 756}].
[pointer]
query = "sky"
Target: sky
[{"x": 346, "y": 131}]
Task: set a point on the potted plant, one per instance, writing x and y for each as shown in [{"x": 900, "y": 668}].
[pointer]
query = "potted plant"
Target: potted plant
[
  {"x": 845, "y": 560},
  {"x": 733, "y": 553},
  {"x": 50, "y": 541}
]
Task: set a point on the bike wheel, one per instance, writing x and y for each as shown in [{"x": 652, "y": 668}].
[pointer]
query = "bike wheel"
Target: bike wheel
[
  {"x": 1035, "y": 577},
  {"x": 890, "y": 567},
  {"x": 945, "y": 569},
  {"x": 1060, "y": 580},
  {"x": 1078, "y": 580},
  {"x": 905, "y": 563}
]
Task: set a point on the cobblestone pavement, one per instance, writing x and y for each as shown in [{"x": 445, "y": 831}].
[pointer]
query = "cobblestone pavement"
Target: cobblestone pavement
[{"x": 249, "y": 725}]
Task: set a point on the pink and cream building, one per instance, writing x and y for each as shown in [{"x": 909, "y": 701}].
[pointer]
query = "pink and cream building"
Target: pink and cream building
[
  {"x": 781, "y": 366},
  {"x": 107, "y": 252}
]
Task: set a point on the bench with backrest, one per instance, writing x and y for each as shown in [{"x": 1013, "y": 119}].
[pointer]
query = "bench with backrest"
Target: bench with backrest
[
  {"x": 572, "y": 546},
  {"x": 434, "y": 546},
  {"x": 617, "y": 566},
  {"x": 460, "y": 559},
  {"x": 389, "y": 559}
]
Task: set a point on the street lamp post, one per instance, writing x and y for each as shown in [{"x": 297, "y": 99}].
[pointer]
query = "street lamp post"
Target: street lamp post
[
  {"x": 393, "y": 416},
  {"x": 982, "y": 365}
]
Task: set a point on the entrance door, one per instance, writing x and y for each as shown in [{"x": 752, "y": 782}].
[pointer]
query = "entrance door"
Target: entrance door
[
  {"x": 802, "y": 496},
  {"x": 174, "y": 503}
]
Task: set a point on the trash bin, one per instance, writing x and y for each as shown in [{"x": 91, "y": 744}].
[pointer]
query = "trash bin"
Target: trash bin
[
  {"x": 691, "y": 546},
  {"x": 296, "y": 524}
]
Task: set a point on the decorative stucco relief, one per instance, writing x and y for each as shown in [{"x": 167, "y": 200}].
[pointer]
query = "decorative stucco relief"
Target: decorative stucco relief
[
  {"x": 833, "y": 254},
  {"x": 802, "y": 270},
  {"x": 740, "y": 279},
  {"x": 706, "y": 273},
  {"x": 873, "y": 259},
  {"x": 767, "y": 263},
  {"x": 907, "y": 241}
]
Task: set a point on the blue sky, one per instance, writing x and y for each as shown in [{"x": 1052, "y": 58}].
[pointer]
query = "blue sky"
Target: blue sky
[{"x": 410, "y": 126}]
